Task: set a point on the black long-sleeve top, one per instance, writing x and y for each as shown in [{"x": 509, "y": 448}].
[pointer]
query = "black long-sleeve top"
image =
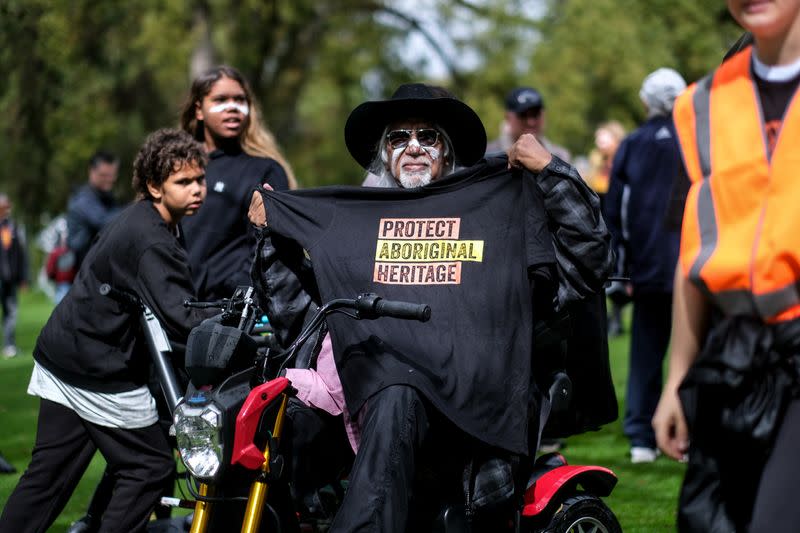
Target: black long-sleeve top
[
  {"x": 90, "y": 341},
  {"x": 219, "y": 239}
]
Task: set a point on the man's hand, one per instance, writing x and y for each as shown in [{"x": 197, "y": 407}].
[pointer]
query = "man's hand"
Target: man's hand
[
  {"x": 672, "y": 435},
  {"x": 529, "y": 153},
  {"x": 257, "y": 213}
]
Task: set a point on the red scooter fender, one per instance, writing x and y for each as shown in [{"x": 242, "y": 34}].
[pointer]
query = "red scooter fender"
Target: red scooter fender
[
  {"x": 596, "y": 480},
  {"x": 245, "y": 452}
]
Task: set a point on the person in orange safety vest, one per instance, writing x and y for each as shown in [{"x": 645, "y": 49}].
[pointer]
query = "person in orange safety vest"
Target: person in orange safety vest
[{"x": 734, "y": 373}]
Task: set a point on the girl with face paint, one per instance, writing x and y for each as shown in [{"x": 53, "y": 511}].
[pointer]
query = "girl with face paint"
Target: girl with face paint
[
  {"x": 222, "y": 114},
  {"x": 221, "y": 110}
]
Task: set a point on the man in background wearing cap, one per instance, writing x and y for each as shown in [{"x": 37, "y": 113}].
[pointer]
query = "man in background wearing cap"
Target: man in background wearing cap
[
  {"x": 525, "y": 114},
  {"x": 645, "y": 166}
]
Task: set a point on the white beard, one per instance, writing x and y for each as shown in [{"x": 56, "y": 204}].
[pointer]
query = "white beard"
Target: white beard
[{"x": 412, "y": 180}]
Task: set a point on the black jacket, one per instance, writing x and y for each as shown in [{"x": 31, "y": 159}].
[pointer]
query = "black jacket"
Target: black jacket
[
  {"x": 645, "y": 167},
  {"x": 88, "y": 211},
  {"x": 90, "y": 341},
  {"x": 13, "y": 255},
  {"x": 219, "y": 239}
]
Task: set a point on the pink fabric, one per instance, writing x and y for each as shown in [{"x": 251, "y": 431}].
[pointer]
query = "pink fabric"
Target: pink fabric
[{"x": 322, "y": 389}]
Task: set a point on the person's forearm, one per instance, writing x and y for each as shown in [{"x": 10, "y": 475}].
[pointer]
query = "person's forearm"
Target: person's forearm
[
  {"x": 320, "y": 388},
  {"x": 690, "y": 310}
]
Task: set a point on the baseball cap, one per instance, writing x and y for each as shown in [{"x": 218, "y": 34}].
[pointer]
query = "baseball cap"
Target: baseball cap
[{"x": 522, "y": 99}]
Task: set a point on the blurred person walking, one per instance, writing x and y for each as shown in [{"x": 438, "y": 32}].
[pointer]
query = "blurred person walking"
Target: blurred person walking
[
  {"x": 525, "y": 114},
  {"x": 93, "y": 205},
  {"x": 646, "y": 164},
  {"x": 13, "y": 273},
  {"x": 733, "y": 378},
  {"x": 60, "y": 267},
  {"x": 221, "y": 112},
  {"x": 607, "y": 138}
]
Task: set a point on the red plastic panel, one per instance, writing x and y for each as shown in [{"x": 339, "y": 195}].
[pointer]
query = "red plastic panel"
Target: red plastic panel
[{"x": 245, "y": 452}]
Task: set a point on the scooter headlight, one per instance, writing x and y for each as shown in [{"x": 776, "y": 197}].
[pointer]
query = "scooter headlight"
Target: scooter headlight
[{"x": 198, "y": 432}]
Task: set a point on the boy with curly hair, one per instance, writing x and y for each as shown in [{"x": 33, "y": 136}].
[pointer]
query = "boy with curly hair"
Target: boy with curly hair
[{"x": 91, "y": 364}]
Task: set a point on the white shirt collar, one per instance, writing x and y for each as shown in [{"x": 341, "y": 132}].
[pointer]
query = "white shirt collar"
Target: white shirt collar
[{"x": 775, "y": 73}]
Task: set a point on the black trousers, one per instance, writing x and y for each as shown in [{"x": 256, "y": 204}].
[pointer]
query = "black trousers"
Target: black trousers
[
  {"x": 104, "y": 491},
  {"x": 650, "y": 330},
  {"x": 776, "y": 509},
  {"x": 140, "y": 459},
  {"x": 396, "y": 484},
  {"x": 320, "y": 452},
  {"x": 734, "y": 485}
]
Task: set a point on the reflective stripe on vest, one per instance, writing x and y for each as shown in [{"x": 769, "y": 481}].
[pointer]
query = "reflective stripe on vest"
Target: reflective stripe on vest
[{"x": 741, "y": 235}]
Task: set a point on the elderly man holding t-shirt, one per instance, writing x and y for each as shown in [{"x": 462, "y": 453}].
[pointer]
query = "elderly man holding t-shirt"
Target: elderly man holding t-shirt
[{"x": 413, "y": 141}]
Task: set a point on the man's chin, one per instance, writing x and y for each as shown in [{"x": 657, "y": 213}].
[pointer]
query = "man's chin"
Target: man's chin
[{"x": 412, "y": 180}]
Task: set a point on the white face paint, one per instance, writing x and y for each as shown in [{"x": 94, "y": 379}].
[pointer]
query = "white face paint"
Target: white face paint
[
  {"x": 244, "y": 109},
  {"x": 410, "y": 179},
  {"x": 433, "y": 152}
]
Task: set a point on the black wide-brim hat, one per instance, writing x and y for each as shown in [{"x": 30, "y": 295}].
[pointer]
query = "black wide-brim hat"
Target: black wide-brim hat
[{"x": 366, "y": 122}]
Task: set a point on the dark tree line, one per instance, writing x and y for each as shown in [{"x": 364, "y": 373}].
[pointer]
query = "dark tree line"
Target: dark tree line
[{"x": 84, "y": 74}]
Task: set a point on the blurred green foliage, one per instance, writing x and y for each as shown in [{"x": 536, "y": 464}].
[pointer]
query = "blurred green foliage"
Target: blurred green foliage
[
  {"x": 84, "y": 74},
  {"x": 594, "y": 55}
]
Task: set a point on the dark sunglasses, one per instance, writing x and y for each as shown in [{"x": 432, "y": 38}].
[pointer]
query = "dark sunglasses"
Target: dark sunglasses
[{"x": 401, "y": 138}]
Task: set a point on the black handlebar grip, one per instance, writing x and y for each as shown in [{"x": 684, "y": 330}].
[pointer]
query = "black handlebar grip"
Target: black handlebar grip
[{"x": 407, "y": 310}]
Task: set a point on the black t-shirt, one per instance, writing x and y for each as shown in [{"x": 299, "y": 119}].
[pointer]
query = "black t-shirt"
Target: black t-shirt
[
  {"x": 462, "y": 245},
  {"x": 219, "y": 238},
  {"x": 775, "y": 97}
]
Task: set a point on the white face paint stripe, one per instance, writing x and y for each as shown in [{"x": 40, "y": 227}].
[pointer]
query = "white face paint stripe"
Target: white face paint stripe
[
  {"x": 433, "y": 152},
  {"x": 396, "y": 155},
  {"x": 244, "y": 109}
]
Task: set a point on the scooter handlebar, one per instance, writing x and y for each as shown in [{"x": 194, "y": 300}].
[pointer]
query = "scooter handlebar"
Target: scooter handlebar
[
  {"x": 373, "y": 306},
  {"x": 406, "y": 310}
]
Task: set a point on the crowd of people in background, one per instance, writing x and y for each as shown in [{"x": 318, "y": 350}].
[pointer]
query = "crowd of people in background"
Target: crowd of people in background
[{"x": 723, "y": 299}]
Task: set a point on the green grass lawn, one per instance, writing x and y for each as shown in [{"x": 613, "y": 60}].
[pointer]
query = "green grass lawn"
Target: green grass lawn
[
  {"x": 18, "y": 411},
  {"x": 644, "y": 499}
]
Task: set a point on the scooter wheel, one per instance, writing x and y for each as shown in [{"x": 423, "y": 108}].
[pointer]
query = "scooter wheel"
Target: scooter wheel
[{"x": 583, "y": 514}]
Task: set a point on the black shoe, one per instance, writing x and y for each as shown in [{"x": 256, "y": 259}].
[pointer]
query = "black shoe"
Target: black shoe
[{"x": 6, "y": 467}]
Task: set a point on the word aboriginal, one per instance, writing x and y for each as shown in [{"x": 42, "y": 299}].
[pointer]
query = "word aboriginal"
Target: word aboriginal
[{"x": 422, "y": 251}]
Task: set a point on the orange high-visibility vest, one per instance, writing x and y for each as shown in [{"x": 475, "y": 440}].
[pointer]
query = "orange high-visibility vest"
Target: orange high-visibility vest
[{"x": 740, "y": 241}]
